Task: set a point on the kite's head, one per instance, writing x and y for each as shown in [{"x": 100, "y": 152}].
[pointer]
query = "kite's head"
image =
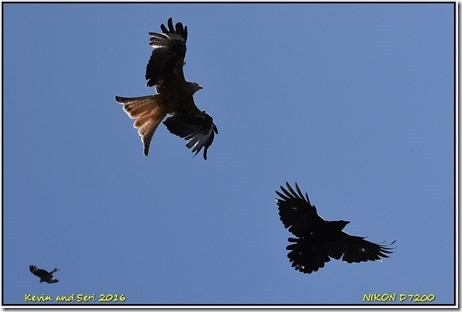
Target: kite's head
[{"x": 194, "y": 87}]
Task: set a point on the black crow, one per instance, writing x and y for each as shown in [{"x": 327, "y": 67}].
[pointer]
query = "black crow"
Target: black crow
[{"x": 319, "y": 240}]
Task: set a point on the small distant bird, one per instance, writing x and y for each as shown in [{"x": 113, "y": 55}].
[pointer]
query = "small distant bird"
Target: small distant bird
[
  {"x": 319, "y": 240},
  {"x": 174, "y": 94},
  {"x": 45, "y": 276}
]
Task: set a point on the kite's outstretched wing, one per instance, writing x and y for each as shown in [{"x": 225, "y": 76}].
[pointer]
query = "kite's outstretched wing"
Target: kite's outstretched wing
[
  {"x": 167, "y": 59},
  {"x": 199, "y": 130}
]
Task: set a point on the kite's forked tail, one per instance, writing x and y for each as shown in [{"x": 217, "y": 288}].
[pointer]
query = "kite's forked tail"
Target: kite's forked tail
[{"x": 147, "y": 114}]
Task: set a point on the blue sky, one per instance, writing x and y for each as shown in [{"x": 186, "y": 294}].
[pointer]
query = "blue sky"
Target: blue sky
[{"x": 355, "y": 102}]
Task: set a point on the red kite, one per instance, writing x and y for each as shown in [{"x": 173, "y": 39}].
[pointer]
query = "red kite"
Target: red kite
[
  {"x": 174, "y": 94},
  {"x": 45, "y": 276}
]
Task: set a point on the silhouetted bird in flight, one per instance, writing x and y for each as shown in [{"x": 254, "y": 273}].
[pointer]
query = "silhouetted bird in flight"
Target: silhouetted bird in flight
[
  {"x": 319, "y": 240},
  {"x": 45, "y": 276},
  {"x": 174, "y": 94}
]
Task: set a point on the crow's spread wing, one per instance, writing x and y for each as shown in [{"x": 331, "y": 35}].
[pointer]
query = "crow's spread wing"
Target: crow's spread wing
[
  {"x": 296, "y": 212},
  {"x": 198, "y": 129},
  {"x": 356, "y": 249},
  {"x": 167, "y": 59},
  {"x": 308, "y": 254}
]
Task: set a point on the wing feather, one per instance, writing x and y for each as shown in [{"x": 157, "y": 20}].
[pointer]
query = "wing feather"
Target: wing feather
[
  {"x": 167, "y": 59},
  {"x": 198, "y": 130},
  {"x": 355, "y": 249},
  {"x": 38, "y": 272},
  {"x": 296, "y": 212}
]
